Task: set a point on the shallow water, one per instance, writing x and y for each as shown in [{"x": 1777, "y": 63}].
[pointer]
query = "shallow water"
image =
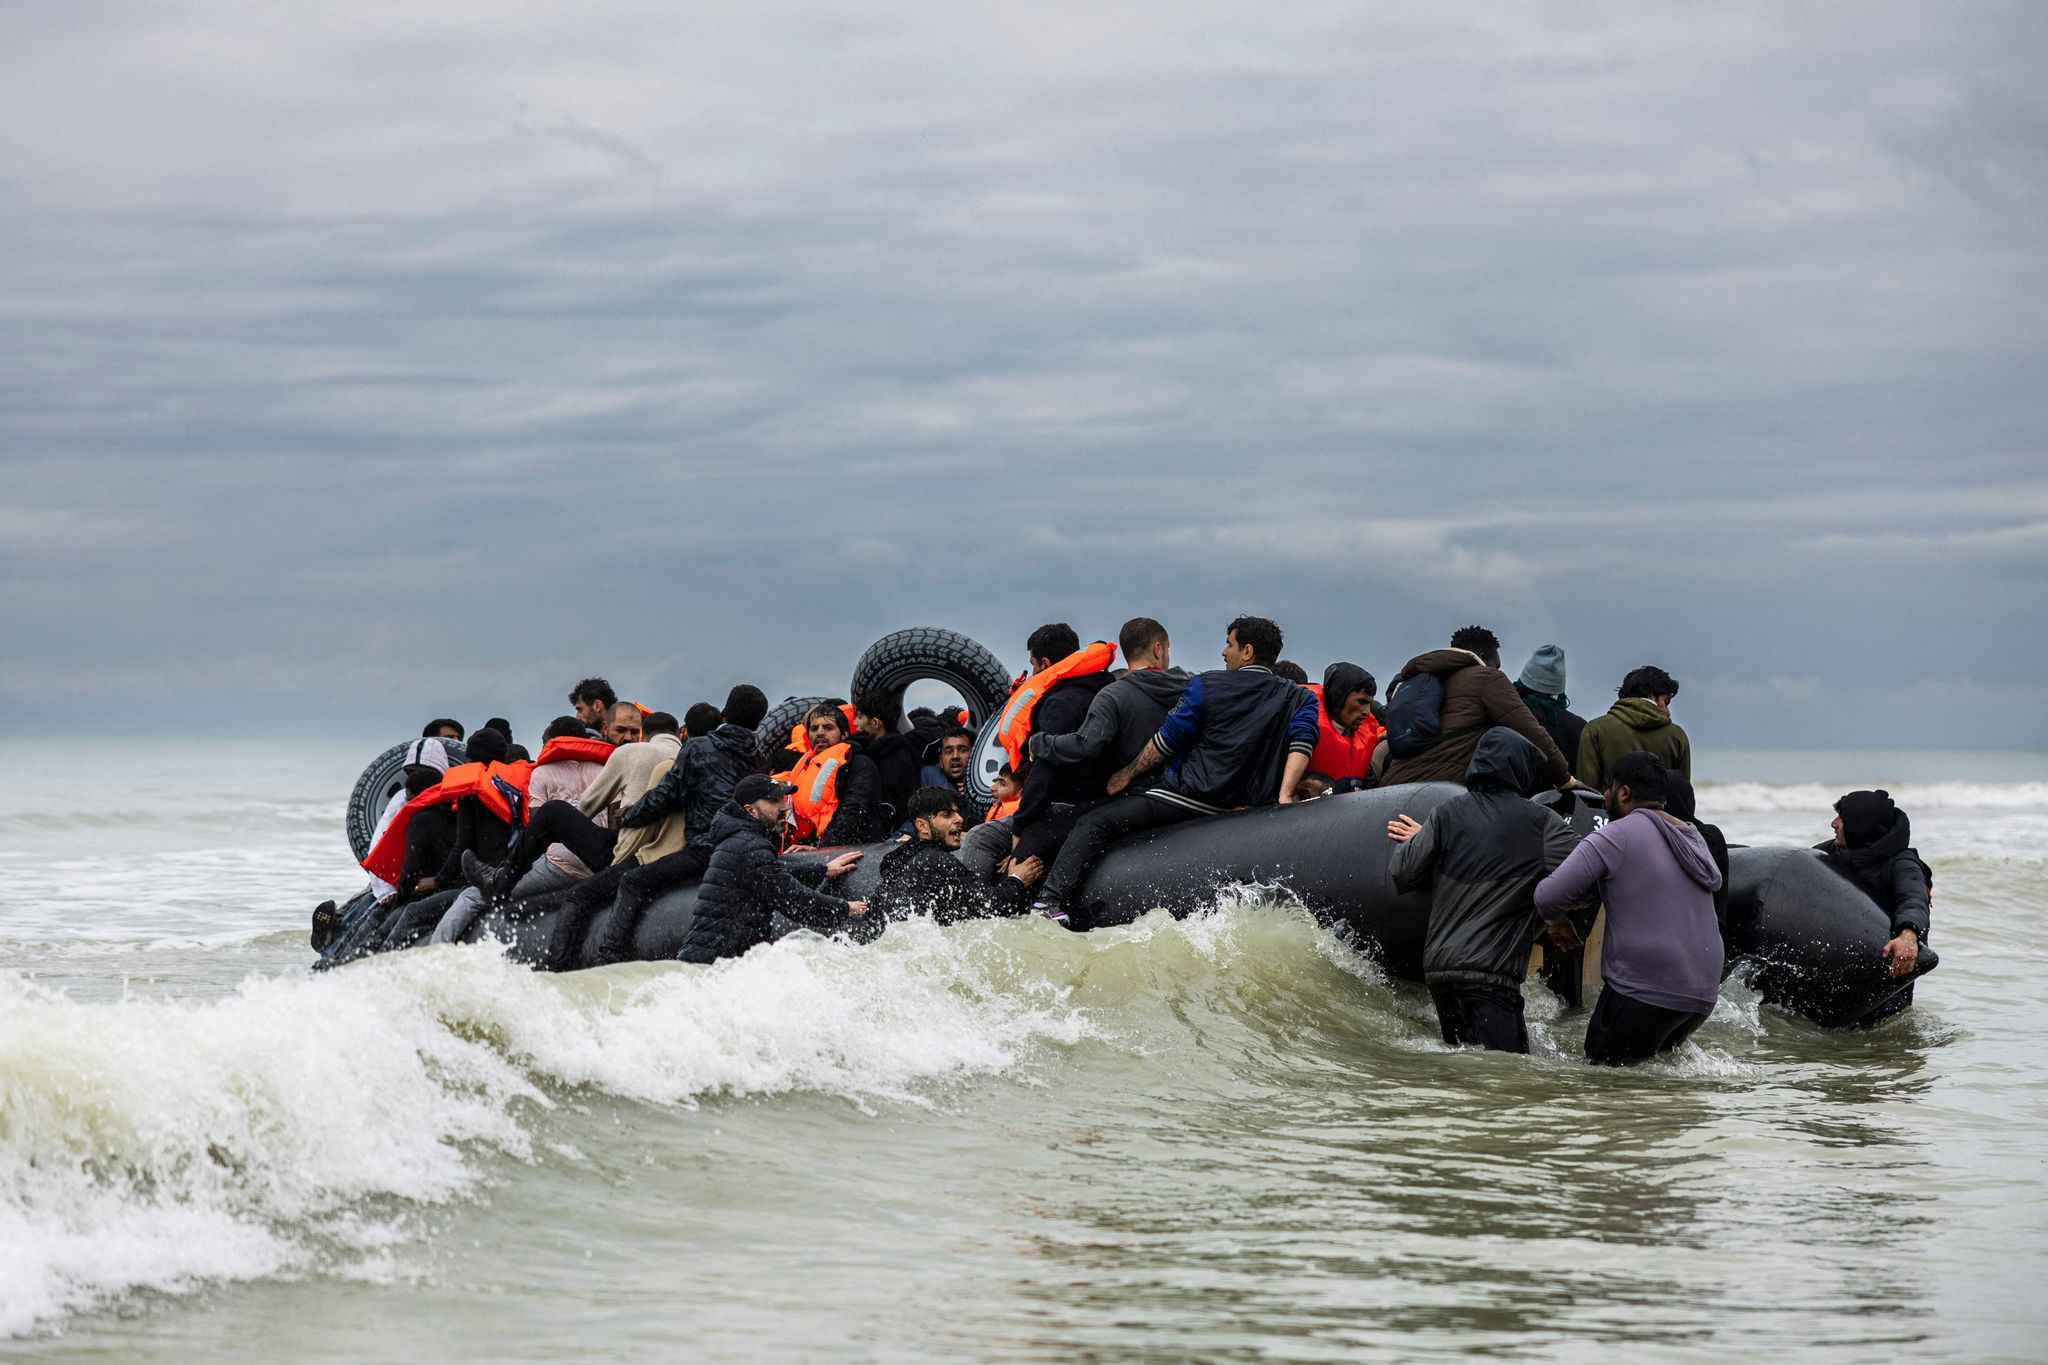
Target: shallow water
[{"x": 1222, "y": 1139}]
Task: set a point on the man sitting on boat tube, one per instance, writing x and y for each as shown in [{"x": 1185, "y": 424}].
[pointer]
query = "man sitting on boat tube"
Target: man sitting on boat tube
[{"x": 1241, "y": 735}]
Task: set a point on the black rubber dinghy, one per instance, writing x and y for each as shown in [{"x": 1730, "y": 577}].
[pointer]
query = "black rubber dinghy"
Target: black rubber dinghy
[
  {"x": 383, "y": 779},
  {"x": 1808, "y": 939}
]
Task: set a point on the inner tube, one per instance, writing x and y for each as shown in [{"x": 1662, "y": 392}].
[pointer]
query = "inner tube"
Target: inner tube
[
  {"x": 1809, "y": 940},
  {"x": 383, "y": 779},
  {"x": 930, "y": 654}
]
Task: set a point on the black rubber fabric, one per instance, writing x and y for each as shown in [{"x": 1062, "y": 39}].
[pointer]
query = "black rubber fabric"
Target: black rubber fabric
[
  {"x": 931, "y": 654},
  {"x": 773, "y": 731},
  {"x": 380, "y": 781}
]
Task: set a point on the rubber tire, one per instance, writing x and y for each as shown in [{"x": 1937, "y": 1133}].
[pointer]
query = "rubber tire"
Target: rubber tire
[
  {"x": 986, "y": 760},
  {"x": 930, "y": 654},
  {"x": 773, "y": 731},
  {"x": 384, "y": 776}
]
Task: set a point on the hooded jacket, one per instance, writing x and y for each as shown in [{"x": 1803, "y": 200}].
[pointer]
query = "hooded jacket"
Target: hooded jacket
[
  {"x": 1476, "y": 698},
  {"x": 1890, "y": 872},
  {"x": 700, "y": 783},
  {"x": 1121, "y": 718},
  {"x": 1481, "y": 854},
  {"x": 1657, "y": 879},
  {"x": 745, "y": 885},
  {"x": 1630, "y": 724},
  {"x": 898, "y": 760},
  {"x": 1680, "y": 801},
  {"x": 922, "y": 877}
]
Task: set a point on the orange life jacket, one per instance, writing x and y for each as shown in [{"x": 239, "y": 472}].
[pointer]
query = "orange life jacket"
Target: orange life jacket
[
  {"x": 816, "y": 779},
  {"x": 499, "y": 787},
  {"x": 1337, "y": 754},
  {"x": 1003, "y": 809},
  {"x": 1014, "y": 726},
  {"x": 386, "y": 858},
  {"x": 800, "y": 735},
  {"x": 574, "y": 748}
]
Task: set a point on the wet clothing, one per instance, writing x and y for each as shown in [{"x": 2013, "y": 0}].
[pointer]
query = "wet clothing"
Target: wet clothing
[
  {"x": 559, "y": 824},
  {"x": 700, "y": 783},
  {"x": 1476, "y": 698},
  {"x": 428, "y": 840},
  {"x": 641, "y": 886},
  {"x": 1630, "y": 724},
  {"x": 1657, "y": 879},
  {"x": 478, "y": 831},
  {"x": 986, "y": 845},
  {"x": 1890, "y": 872},
  {"x": 746, "y": 885},
  {"x": 1555, "y": 715},
  {"x": 1062, "y": 711},
  {"x": 1481, "y": 854},
  {"x": 1680, "y": 801},
  {"x": 1624, "y": 1030},
  {"x": 537, "y": 880},
  {"x": 1102, "y": 826},
  {"x": 922, "y": 877},
  {"x": 1122, "y": 718},
  {"x": 1481, "y": 1014}
]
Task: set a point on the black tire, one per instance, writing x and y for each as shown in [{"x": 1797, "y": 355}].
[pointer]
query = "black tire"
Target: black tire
[
  {"x": 773, "y": 731},
  {"x": 929, "y": 654},
  {"x": 384, "y": 776}
]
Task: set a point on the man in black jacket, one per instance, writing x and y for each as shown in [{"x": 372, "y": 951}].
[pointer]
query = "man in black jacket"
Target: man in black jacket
[
  {"x": 898, "y": 756},
  {"x": 924, "y": 876},
  {"x": 747, "y": 884},
  {"x": 1481, "y": 854},
  {"x": 1239, "y": 736},
  {"x": 700, "y": 783},
  {"x": 1873, "y": 848},
  {"x": 1056, "y": 795}
]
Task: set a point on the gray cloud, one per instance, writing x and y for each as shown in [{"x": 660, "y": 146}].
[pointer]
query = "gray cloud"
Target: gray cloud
[{"x": 379, "y": 363}]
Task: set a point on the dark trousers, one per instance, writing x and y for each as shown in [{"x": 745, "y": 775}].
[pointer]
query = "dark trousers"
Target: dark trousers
[
  {"x": 560, "y": 822},
  {"x": 1097, "y": 830},
  {"x": 413, "y": 921},
  {"x": 641, "y": 887},
  {"x": 1624, "y": 1030},
  {"x": 1479, "y": 1014},
  {"x": 1044, "y": 838}
]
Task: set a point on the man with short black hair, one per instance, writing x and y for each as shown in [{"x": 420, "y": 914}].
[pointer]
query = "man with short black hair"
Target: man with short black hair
[
  {"x": 1239, "y": 736},
  {"x": 442, "y": 728},
  {"x": 593, "y": 700},
  {"x": 877, "y": 732},
  {"x": 951, "y": 757},
  {"x": 746, "y": 884},
  {"x": 701, "y": 719},
  {"x": 1640, "y": 719},
  {"x": 924, "y": 876},
  {"x": 1661, "y": 957},
  {"x": 1475, "y": 696}
]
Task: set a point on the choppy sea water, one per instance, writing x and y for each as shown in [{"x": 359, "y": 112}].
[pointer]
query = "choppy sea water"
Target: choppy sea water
[{"x": 1224, "y": 1138}]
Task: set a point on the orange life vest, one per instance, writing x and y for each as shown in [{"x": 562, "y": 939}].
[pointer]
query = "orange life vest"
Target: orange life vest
[
  {"x": 386, "y": 858},
  {"x": 1337, "y": 754},
  {"x": 800, "y": 736},
  {"x": 499, "y": 787},
  {"x": 1014, "y": 725},
  {"x": 1003, "y": 809},
  {"x": 816, "y": 779},
  {"x": 574, "y": 748}
]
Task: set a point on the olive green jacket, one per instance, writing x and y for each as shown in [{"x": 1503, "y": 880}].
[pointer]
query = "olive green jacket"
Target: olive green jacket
[{"x": 1630, "y": 724}]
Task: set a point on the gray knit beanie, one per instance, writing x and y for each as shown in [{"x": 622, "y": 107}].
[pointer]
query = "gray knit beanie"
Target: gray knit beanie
[{"x": 1545, "y": 671}]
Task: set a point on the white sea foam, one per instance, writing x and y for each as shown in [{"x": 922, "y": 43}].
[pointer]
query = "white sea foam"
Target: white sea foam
[
  {"x": 1719, "y": 797},
  {"x": 300, "y": 1122}
]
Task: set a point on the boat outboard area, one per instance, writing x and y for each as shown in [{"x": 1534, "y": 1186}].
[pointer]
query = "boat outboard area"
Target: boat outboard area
[{"x": 1803, "y": 933}]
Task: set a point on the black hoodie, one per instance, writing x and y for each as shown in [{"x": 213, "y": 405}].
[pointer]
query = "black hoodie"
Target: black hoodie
[
  {"x": 1890, "y": 872},
  {"x": 1481, "y": 854}
]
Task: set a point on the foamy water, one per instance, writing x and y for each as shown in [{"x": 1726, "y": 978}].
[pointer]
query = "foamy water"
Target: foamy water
[{"x": 1218, "y": 1138}]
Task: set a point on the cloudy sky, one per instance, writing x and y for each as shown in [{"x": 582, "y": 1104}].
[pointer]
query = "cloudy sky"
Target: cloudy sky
[{"x": 374, "y": 361}]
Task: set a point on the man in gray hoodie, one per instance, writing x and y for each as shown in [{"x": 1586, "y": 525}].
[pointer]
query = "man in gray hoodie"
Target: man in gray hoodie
[
  {"x": 1125, "y": 715},
  {"x": 1662, "y": 957}
]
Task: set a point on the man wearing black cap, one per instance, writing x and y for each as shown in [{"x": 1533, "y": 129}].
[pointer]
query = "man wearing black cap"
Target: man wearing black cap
[
  {"x": 1872, "y": 847},
  {"x": 747, "y": 883}
]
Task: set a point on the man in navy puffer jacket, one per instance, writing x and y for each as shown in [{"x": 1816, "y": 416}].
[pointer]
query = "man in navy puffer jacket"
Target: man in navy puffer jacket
[
  {"x": 748, "y": 883},
  {"x": 1240, "y": 736}
]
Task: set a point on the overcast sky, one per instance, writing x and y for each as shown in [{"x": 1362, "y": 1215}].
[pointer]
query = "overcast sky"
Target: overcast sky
[{"x": 366, "y": 362}]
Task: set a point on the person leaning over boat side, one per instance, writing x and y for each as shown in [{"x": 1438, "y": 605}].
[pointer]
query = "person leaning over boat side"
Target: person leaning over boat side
[
  {"x": 746, "y": 883},
  {"x": 1541, "y": 688},
  {"x": 1662, "y": 955},
  {"x": 1872, "y": 847},
  {"x": 1476, "y": 697},
  {"x": 683, "y": 805},
  {"x": 923, "y": 876},
  {"x": 1640, "y": 719},
  {"x": 1240, "y": 736},
  {"x": 1481, "y": 855}
]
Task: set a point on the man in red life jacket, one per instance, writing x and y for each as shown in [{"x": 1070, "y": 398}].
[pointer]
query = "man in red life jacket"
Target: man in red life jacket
[
  {"x": 838, "y": 797},
  {"x": 1347, "y": 731}
]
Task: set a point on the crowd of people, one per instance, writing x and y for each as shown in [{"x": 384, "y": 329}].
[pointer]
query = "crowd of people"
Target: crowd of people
[{"x": 623, "y": 804}]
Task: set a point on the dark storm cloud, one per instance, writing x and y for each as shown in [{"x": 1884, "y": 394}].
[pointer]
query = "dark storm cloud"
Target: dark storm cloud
[{"x": 377, "y": 362}]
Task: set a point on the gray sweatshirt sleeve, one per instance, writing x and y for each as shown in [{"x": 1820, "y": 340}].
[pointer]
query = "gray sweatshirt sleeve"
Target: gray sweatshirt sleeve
[{"x": 1097, "y": 731}]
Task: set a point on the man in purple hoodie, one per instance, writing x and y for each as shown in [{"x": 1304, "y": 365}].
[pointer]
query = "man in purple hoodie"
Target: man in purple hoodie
[{"x": 1662, "y": 956}]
